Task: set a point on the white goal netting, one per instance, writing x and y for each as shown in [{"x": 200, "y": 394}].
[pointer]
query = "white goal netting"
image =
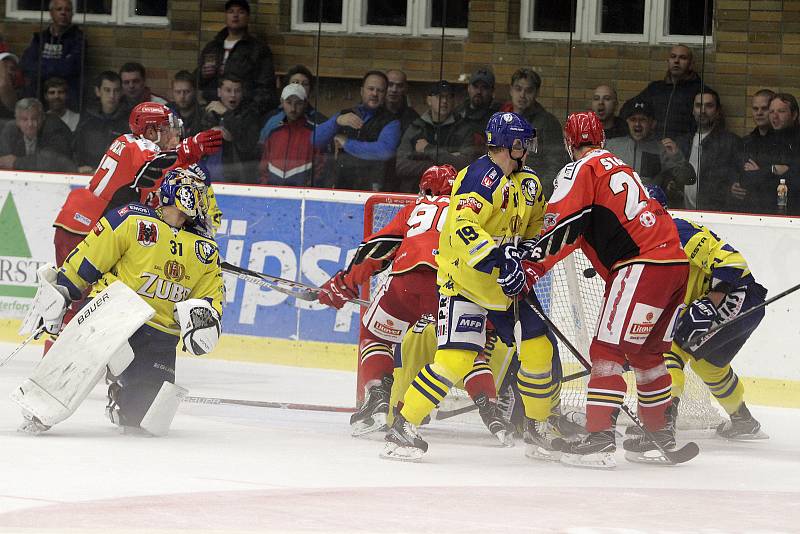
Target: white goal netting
[{"x": 571, "y": 295}]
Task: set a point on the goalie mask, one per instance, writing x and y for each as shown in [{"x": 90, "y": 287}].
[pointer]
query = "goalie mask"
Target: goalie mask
[{"x": 184, "y": 190}]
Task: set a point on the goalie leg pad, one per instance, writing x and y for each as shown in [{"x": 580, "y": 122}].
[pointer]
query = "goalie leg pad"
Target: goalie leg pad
[
  {"x": 121, "y": 359},
  {"x": 162, "y": 411},
  {"x": 76, "y": 362}
]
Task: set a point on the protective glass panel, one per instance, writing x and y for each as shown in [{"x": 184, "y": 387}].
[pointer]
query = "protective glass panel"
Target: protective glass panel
[{"x": 622, "y": 16}]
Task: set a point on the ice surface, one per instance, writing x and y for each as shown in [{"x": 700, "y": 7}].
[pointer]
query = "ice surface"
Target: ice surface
[{"x": 245, "y": 469}]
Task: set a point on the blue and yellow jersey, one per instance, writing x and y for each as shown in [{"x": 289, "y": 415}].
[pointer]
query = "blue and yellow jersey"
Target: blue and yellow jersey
[
  {"x": 487, "y": 209},
  {"x": 712, "y": 261},
  {"x": 162, "y": 264}
]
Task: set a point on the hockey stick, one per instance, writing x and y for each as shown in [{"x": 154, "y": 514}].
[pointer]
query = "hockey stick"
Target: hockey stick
[
  {"x": 289, "y": 287},
  {"x": 755, "y": 308},
  {"x": 35, "y": 335},
  {"x": 678, "y": 456},
  {"x": 268, "y": 404}
]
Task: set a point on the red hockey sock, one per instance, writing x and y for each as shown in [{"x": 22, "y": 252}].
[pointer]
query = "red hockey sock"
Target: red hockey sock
[
  {"x": 654, "y": 397},
  {"x": 480, "y": 380},
  {"x": 377, "y": 361},
  {"x": 603, "y": 400}
]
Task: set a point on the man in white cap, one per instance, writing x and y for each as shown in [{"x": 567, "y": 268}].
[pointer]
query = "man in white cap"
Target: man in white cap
[{"x": 289, "y": 157}]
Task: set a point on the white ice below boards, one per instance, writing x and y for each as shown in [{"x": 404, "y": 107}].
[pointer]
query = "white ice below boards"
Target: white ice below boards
[{"x": 244, "y": 469}]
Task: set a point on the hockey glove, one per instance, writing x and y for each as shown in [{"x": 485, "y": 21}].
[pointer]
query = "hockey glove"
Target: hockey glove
[
  {"x": 526, "y": 247},
  {"x": 49, "y": 304},
  {"x": 200, "y": 325},
  {"x": 191, "y": 149},
  {"x": 512, "y": 277},
  {"x": 533, "y": 272},
  {"x": 695, "y": 323},
  {"x": 335, "y": 292}
]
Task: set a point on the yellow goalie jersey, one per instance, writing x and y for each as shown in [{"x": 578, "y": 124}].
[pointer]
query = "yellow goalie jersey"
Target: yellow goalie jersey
[
  {"x": 487, "y": 209},
  {"x": 711, "y": 261},
  {"x": 162, "y": 264}
]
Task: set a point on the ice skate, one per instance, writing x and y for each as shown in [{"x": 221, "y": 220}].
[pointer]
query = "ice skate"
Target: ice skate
[
  {"x": 570, "y": 425},
  {"x": 742, "y": 426},
  {"x": 670, "y": 414},
  {"x": 539, "y": 437},
  {"x": 493, "y": 419},
  {"x": 639, "y": 449},
  {"x": 595, "y": 451},
  {"x": 371, "y": 417},
  {"x": 31, "y": 425},
  {"x": 403, "y": 442}
]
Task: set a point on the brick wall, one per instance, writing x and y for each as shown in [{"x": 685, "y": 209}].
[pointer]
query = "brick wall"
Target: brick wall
[{"x": 757, "y": 44}]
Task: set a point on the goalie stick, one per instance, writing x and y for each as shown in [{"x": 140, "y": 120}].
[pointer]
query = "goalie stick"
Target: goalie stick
[
  {"x": 678, "y": 456},
  {"x": 268, "y": 404},
  {"x": 35, "y": 335},
  {"x": 289, "y": 287}
]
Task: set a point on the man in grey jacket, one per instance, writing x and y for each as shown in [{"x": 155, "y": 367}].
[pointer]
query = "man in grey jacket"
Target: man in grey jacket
[
  {"x": 657, "y": 162},
  {"x": 435, "y": 138}
]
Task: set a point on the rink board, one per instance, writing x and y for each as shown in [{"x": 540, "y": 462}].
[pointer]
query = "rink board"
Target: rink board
[{"x": 307, "y": 235}]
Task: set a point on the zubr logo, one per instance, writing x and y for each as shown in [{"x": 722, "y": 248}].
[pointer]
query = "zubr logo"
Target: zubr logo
[{"x": 17, "y": 268}]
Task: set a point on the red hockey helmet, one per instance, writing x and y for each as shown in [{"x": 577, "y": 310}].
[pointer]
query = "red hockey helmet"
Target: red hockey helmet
[
  {"x": 151, "y": 114},
  {"x": 583, "y": 128},
  {"x": 437, "y": 180}
]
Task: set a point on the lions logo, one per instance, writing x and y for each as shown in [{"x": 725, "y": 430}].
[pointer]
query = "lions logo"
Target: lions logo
[
  {"x": 186, "y": 198},
  {"x": 530, "y": 190},
  {"x": 147, "y": 234},
  {"x": 205, "y": 251}
]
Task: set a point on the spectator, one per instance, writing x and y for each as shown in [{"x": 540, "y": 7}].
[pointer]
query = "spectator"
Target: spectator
[
  {"x": 551, "y": 156},
  {"x": 235, "y": 52},
  {"x": 604, "y": 105},
  {"x": 100, "y": 126},
  {"x": 747, "y": 194},
  {"x": 289, "y": 157},
  {"x": 673, "y": 97},
  {"x": 475, "y": 111},
  {"x": 778, "y": 157},
  {"x": 365, "y": 138},
  {"x": 9, "y": 88},
  {"x": 658, "y": 163},
  {"x": 134, "y": 86},
  {"x": 298, "y": 74},
  {"x": 35, "y": 141},
  {"x": 237, "y": 161},
  {"x": 184, "y": 102},
  {"x": 432, "y": 139},
  {"x": 714, "y": 153},
  {"x": 57, "y": 51},
  {"x": 56, "y": 93},
  {"x": 397, "y": 99}
]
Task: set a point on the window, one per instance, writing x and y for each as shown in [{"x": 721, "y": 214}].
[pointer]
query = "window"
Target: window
[
  {"x": 124, "y": 12},
  {"x": 644, "y": 21},
  {"x": 399, "y": 17}
]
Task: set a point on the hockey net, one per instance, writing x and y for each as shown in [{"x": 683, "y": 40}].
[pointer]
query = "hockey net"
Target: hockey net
[{"x": 571, "y": 294}]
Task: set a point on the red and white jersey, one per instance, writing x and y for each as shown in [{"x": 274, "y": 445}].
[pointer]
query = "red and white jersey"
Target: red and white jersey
[
  {"x": 130, "y": 170},
  {"x": 599, "y": 205},
  {"x": 417, "y": 228}
]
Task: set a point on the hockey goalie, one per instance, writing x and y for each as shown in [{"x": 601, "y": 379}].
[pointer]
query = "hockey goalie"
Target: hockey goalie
[{"x": 155, "y": 277}]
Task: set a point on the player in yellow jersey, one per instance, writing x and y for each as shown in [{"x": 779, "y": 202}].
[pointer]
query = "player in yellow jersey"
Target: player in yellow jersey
[
  {"x": 495, "y": 202},
  {"x": 159, "y": 254},
  {"x": 720, "y": 287}
]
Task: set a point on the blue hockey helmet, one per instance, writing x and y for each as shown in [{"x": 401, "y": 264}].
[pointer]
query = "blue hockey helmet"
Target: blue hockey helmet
[
  {"x": 509, "y": 130},
  {"x": 655, "y": 192},
  {"x": 185, "y": 190}
]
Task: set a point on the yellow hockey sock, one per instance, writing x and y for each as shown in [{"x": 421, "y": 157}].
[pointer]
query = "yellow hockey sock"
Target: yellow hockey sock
[
  {"x": 535, "y": 378},
  {"x": 434, "y": 381},
  {"x": 723, "y": 383},
  {"x": 676, "y": 361}
]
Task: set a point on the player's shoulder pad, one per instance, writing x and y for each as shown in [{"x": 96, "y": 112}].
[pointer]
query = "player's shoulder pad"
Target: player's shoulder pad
[
  {"x": 146, "y": 145},
  {"x": 482, "y": 177},
  {"x": 117, "y": 216},
  {"x": 686, "y": 229}
]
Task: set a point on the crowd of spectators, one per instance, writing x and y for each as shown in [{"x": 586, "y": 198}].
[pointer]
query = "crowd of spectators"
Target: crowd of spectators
[{"x": 673, "y": 133}]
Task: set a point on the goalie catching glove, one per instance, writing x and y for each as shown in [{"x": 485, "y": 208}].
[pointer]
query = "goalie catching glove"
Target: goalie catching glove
[
  {"x": 49, "y": 304},
  {"x": 335, "y": 292},
  {"x": 695, "y": 323},
  {"x": 200, "y": 326}
]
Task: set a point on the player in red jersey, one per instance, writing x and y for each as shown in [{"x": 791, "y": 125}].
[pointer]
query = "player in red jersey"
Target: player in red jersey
[
  {"x": 131, "y": 169},
  {"x": 600, "y": 205},
  {"x": 407, "y": 243}
]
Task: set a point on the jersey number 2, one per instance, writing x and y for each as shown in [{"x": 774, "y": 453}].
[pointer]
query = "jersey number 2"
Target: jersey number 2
[{"x": 622, "y": 181}]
